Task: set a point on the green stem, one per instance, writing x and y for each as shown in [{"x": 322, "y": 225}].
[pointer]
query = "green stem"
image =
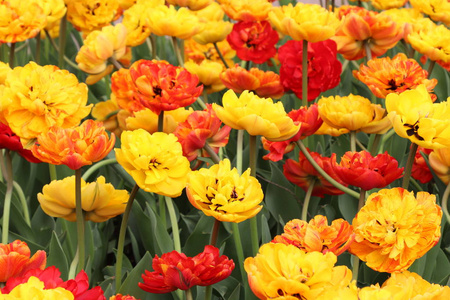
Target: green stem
[
  {"x": 122, "y": 232},
  {"x": 62, "y": 41},
  {"x": 52, "y": 171},
  {"x": 408, "y": 166},
  {"x": 176, "y": 48},
  {"x": 208, "y": 292},
  {"x": 368, "y": 51},
  {"x": 215, "y": 158},
  {"x": 385, "y": 137},
  {"x": 323, "y": 173},
  {"x": 375, "y": 142},
  {"x": 11, "y": 55},
  {"x": 253, "y": 221},
  {"x": 205, "y": 95},
  {"x": 240, "y": 255},
  {"x": 305, "y": 74},
  {"x": 97, "y": 166},
  {"x": 362, "y": 199},
  {"x": 23, "y": 202},
  {"x": 240, "y": 141},
  {"x": 151, "y": 44},
  {"x": 214, "y": 233},
  {"x": 444, "y": 202},
  {"x": 115, "y": 63},
  {"x": 37, "y": 59},
  {"x": 161, "y": 121},
  {"x": 355, "y": 268},
  {"x": 221, "y": 56},
  {"x": 188, "y": 294},
  {"x": 80, "y": 221},
  {"x": 353, "y": 141},
  {"x": 307, "y": 200},
  {"x": 430, "y": 67},
  {"x": 162, "y": 210},
  {"x": 201, "y": 103},
  {"x": 66, "y": 59},
  {"x": 174, "y": 223},
  {"x": 8, "y": 174}
]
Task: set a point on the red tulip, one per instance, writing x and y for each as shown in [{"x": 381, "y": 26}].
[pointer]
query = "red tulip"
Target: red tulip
[
  {"x": 362, "y": 170},
  {"x": 253, "y": 41},
  {"x": 175, "y": 270}
]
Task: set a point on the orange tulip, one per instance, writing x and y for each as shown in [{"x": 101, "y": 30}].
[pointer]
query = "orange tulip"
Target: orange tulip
[
  {"x": 74, "y": 147},
  {"x": 15, "y": 260},
  {"x": 317, "y": 235}
]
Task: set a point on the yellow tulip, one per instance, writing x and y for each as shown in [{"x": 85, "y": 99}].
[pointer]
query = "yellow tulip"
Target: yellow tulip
[
  {"x": 155, "y": 161},
  {"x": 280, "y": 270},
  {"x": 309, "y": 22},
  {"x": 34, "y": 289},
  {"x": 100, "y": 201},
  {"x": 35, "y": 98},
  {"x": 415, "y": 117},
  {"x": 353, "y": 113},
  {"x": 181, "y": 23},
  {"x": 221, "y": 193},
  {"x": 258, "y": 116}
]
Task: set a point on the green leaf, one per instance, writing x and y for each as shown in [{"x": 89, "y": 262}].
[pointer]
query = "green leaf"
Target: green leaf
[
  {"x": 57, "y": 257},
  {"x": 162, "y": 238},
  {"x": 266, "y": 236},
  {"x": 279, "y": 198},
  {"x": 226, "y": 289}
]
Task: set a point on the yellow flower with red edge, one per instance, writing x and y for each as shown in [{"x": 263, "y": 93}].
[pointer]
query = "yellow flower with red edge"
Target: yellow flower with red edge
[
  {"x": 222, "y": 193},
  {"x": 35, "y": 289},
  {"x": 21, "y": 20},
  {"x": 100, "y": 201},
  {"x": 360, "y": 27},
  {"x": 385, "y": 75},
  {"x": 258, "y": 116},
  {"x": 74, "y": 147},
  {"x": 297, "y": 22},
  {"x": 201, "y": 128},
  {"x": 317, "y": 235},
  {"x": 353, "y": 113},
  {"x": 99, "y": 46},
  {"x": 166, "y": 20},
  {"x": 440, "y": 163},
  {"x": 282, "y": 271},
  {"x": 415, "y": 117},
  {"x": 406, "y": 17},
  {"x": 394, "y": 228},
  {"x": 89, "y": 15},
  {"x": 155, "y": 161},
  {"x": 35, "y": 98},
  {"x": 246, "y": 10},
  {"x": 15, "y": 260}
]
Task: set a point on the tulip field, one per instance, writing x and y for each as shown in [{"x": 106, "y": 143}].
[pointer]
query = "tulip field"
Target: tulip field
[{"x": 228, "y": 149}]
